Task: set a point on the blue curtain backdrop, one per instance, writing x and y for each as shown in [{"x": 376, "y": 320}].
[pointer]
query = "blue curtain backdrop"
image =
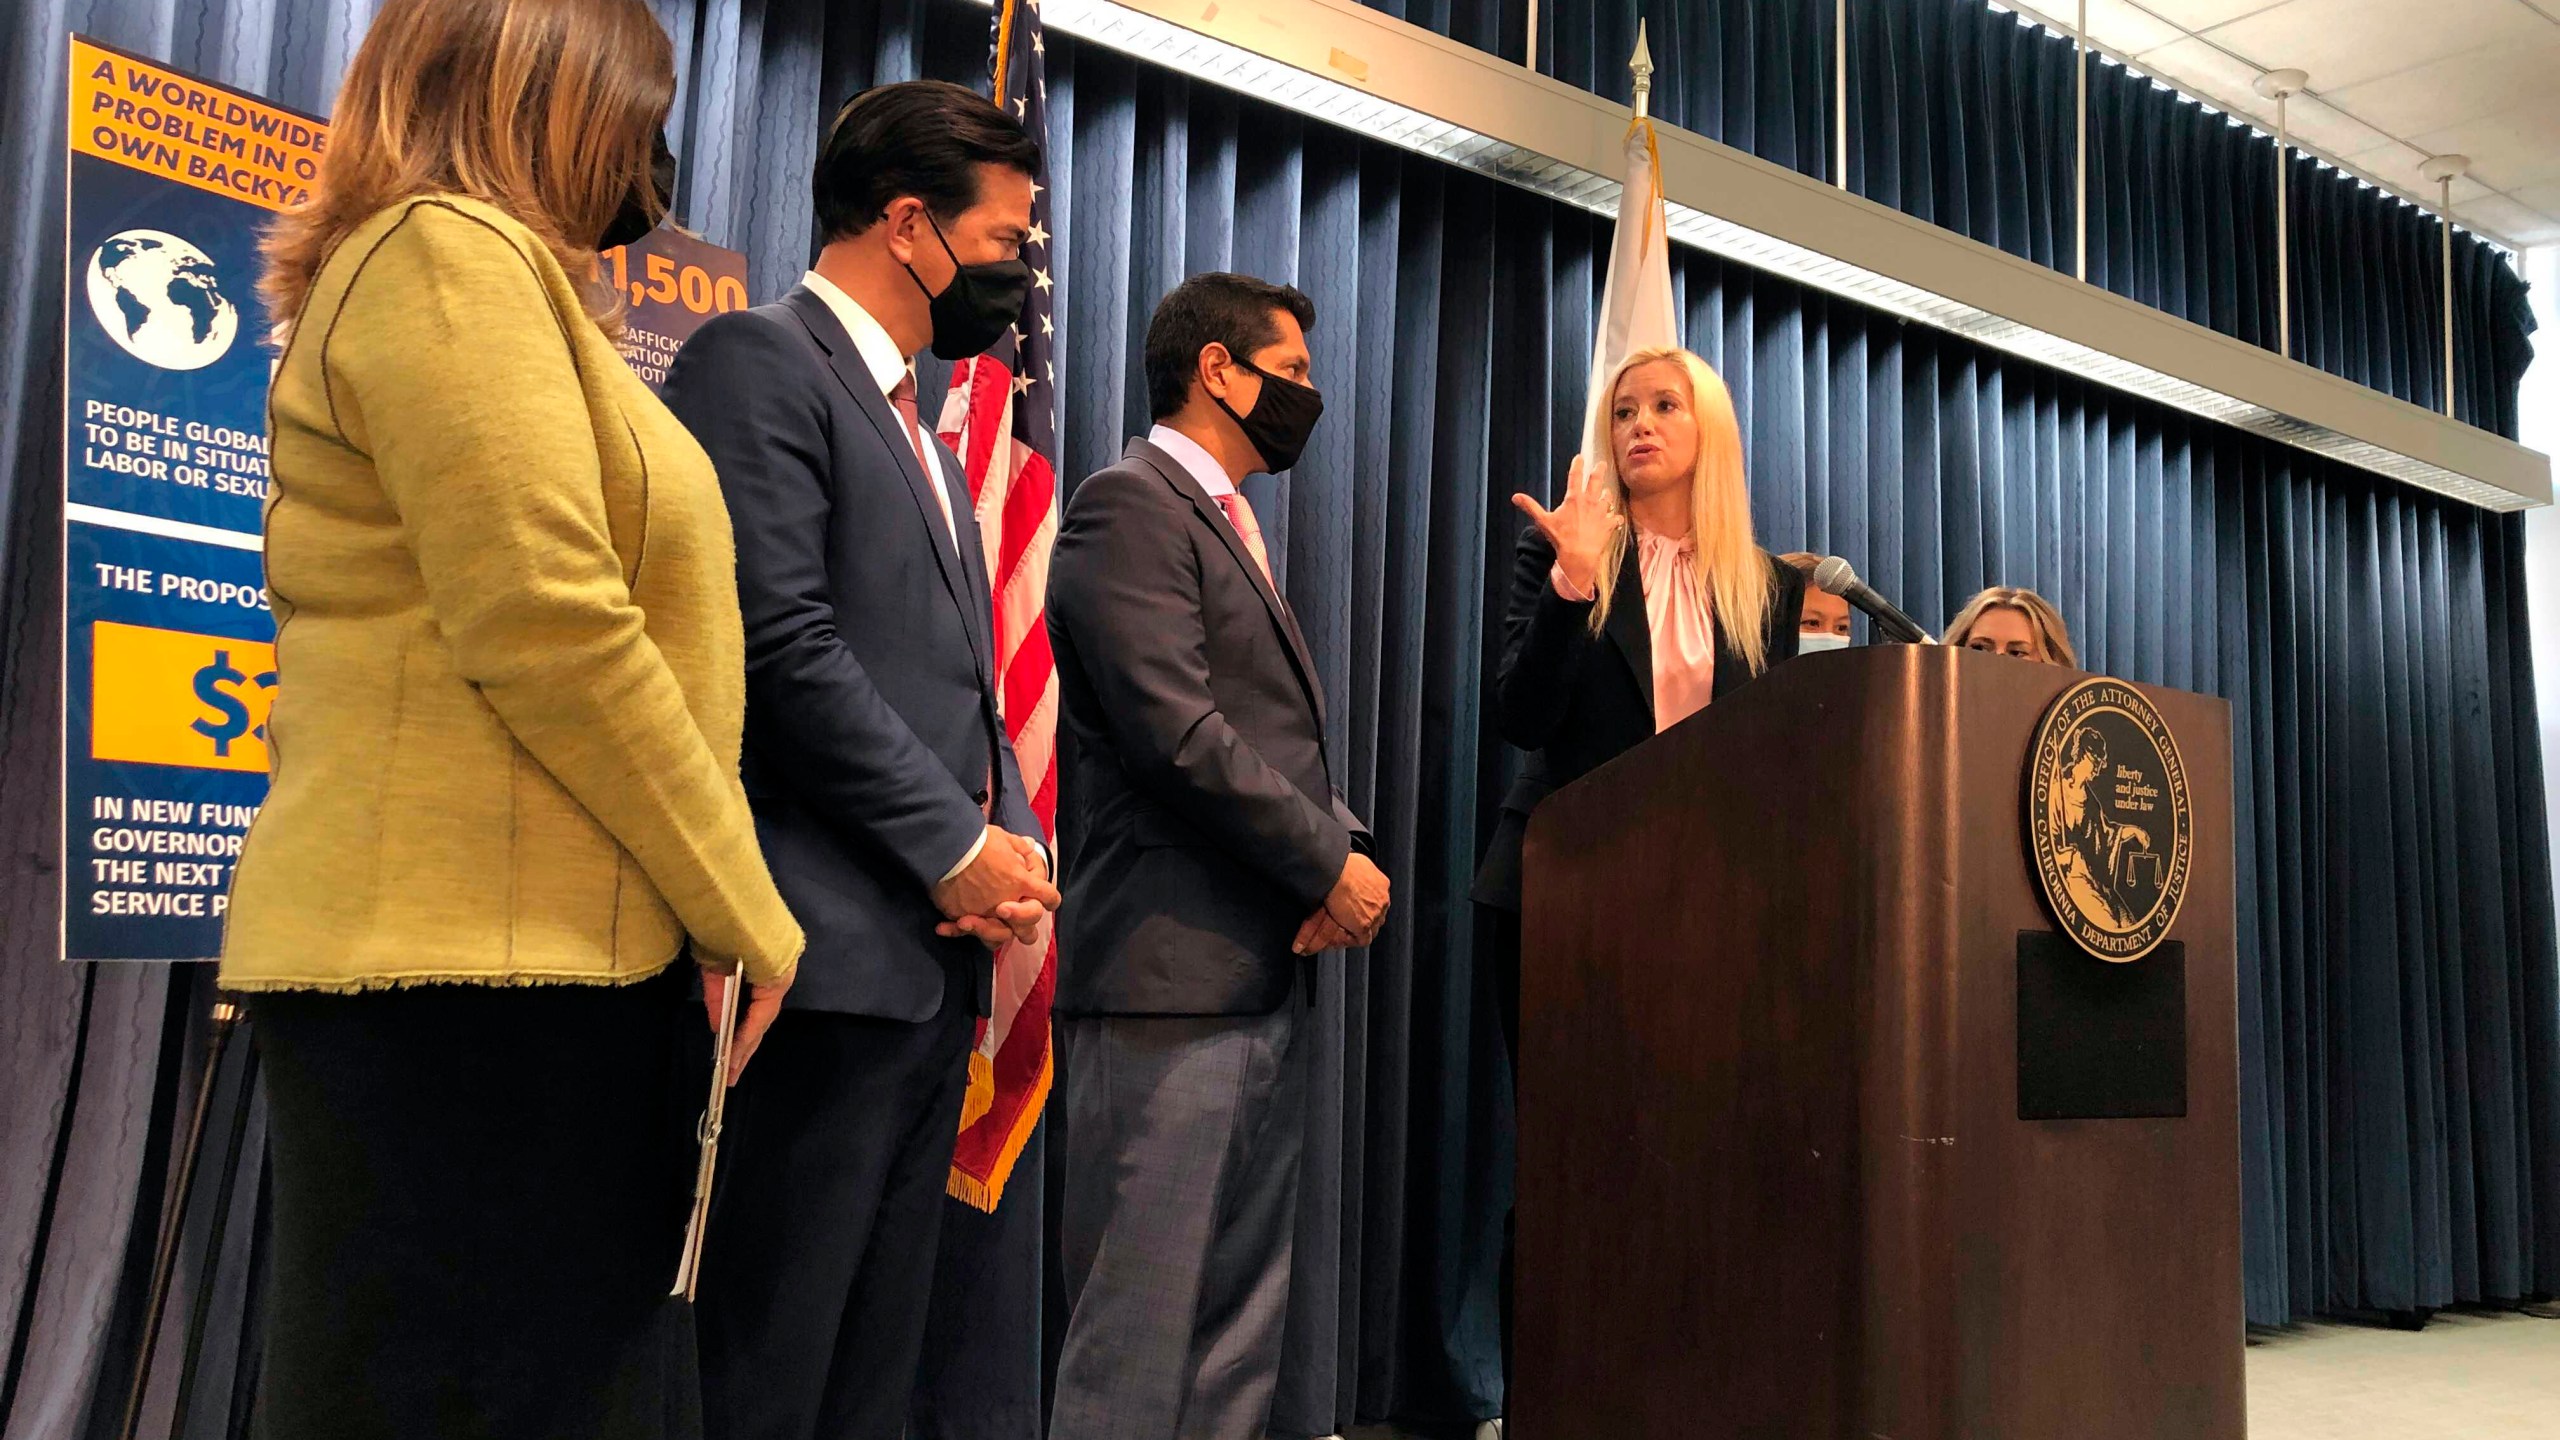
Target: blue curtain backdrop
[
  {"x": 1963, "y": 115},
  {"x": 2401, "y": 1070}
]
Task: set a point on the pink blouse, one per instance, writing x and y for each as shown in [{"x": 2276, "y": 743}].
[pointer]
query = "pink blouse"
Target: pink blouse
[{"x": 1682, "y": 622}]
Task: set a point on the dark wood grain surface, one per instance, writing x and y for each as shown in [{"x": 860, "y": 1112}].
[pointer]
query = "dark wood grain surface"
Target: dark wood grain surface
[{"x": 1772, "y": 1182}]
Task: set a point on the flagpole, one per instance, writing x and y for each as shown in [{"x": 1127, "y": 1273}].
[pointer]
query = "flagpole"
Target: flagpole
[
  {"x": 1840, "y": 95},
  {"x": 2080, "y": 166}
]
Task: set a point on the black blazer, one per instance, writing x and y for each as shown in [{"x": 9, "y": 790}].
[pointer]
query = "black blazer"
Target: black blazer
[
  {"x": 1576, "y": 702},
  {"x": 872, "y": 734},
  {"x": 1200, "y": 824}
]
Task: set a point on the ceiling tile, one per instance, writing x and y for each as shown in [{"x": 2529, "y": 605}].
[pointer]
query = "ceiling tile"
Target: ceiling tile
[
  {"x": 2544, "y": 197},
  {"x": 2456, "y": 88},
  {"x": 2197, "y": 14},
  {"x": 2325, "y": 128},
  {"x": 2466, "y": 191},
  {"x": 2401, "y": 175},
  {"x": 2405, "y": 185},
  {"x": 2124, "y": 27},
  {"x": 2389, "y": 155},
  {"x": 2504, "y": 218},
  {"x": 2127, "y": 28},
  {"x": 2520, "y": 147},
  {"x": 2200, "y": 69},
  {"x": 2346, "y": 42}
]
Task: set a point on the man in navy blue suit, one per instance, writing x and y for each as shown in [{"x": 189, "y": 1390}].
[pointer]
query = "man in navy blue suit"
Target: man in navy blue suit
[{"x": 885, "y": 792}]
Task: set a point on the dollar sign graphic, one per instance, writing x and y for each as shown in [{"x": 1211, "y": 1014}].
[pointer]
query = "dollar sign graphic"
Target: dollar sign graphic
[{"x": 234, "y": 721}]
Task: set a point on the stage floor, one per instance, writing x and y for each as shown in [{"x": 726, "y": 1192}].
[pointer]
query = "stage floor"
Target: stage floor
[
  {"x": 2473, "y": 1376},
  {"x": 2467, "y": 1376}
]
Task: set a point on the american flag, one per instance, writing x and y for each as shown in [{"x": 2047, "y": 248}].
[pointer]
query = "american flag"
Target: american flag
[{"x": 1000, "y": 417}]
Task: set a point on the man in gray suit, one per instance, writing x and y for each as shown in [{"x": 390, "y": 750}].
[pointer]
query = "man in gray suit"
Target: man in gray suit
[{"x": 1211, "y": 855}]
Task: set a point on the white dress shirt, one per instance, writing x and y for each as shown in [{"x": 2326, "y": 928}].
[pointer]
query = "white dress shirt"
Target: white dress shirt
[
  {"x": 1195, "y": 458},
  {"x": 881, "y": 357}
]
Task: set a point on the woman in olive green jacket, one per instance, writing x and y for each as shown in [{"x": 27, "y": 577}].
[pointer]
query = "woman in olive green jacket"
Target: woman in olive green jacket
[{"x": 506, "y": 740}]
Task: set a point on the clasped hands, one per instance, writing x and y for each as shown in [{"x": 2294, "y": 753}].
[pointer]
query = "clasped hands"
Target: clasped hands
[
  {"x": 1352, "y": 914},
  {"x": 1003, "y": 894}
]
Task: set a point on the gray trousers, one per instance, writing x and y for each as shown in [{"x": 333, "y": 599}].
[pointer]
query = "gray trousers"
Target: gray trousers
[{"x": 1182, "y": 1139}]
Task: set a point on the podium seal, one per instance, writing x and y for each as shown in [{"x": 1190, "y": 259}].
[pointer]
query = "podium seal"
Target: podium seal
[{"x": 2109, "y": 821}]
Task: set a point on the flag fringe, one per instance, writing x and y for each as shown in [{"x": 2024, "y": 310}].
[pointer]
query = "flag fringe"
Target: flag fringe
[
  {"x": 982, "y": 1194},
  {"x": 981, "y": 1094},
  {"x": 1003, "y": 61}
]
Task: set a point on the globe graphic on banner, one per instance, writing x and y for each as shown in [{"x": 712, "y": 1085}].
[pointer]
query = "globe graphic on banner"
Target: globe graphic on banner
[{"x": 161, "y": 300}]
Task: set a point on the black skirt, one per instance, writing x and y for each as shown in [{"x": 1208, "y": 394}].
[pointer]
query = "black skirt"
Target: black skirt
[{"x": 479, "y": 1196}]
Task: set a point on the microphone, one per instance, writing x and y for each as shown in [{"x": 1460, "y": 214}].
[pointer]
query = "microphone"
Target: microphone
[{"x": 1837, "y": 577}]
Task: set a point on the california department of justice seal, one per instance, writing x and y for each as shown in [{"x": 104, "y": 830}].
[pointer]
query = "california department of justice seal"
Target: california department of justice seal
[{"x": 2108, "y": 819}]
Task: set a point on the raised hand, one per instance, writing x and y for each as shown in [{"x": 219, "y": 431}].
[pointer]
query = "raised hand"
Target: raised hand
[{"x": 1580, "y": 527}]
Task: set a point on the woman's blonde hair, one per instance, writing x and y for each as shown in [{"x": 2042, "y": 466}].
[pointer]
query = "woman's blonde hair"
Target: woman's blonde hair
[
  {"x": 1733, "y": 576},
  {"x": 546, "y": 109},
  {"x": 2046, "y": 621}
]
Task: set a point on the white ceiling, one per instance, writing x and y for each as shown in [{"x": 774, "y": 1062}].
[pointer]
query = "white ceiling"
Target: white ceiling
[{"x": 2392, "y": 82}]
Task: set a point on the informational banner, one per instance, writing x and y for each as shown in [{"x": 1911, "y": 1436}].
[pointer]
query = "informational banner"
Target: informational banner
[
  {"x": 169, "y": 664},
  {"x": 672, "y": 282},
  {"x": 168, "y": 644}
]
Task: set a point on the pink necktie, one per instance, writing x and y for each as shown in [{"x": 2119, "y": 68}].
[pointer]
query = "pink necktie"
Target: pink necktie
[
  {"x": 1240, "y": 515},
  {"x": 903, "y": 397}
]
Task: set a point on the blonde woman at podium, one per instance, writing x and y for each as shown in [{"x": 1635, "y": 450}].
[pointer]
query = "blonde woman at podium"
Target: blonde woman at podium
[
  {"x": 2008, "y": 620},
  {"x": 1637, "y": 601}
]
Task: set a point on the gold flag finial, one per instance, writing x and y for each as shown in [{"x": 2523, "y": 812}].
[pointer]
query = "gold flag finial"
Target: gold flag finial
[{"x": 1640, "y": 65}]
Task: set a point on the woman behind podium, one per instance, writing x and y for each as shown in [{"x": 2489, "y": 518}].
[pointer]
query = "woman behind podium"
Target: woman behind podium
[
  {"x": 2008, "y": 620},
  {"x": 1635, "y": 602},
  {"x": 1823, "y": 624},
  {"x": 506, "y": 757}
]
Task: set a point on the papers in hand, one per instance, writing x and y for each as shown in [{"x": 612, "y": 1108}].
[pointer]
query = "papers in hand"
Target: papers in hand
[{"x": 689, "y": 1264}]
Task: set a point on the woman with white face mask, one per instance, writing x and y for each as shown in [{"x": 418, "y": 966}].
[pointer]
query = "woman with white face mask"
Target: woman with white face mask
[{"x": 1823, "y": 623}]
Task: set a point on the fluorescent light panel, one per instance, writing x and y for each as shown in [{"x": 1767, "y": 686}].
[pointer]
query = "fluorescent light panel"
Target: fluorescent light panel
[{"x": 1233, "y": 67}]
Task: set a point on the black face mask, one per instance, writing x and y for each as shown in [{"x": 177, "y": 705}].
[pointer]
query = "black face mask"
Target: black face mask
[
  {"x": 980, "y": 303},
  {"x": 646, "y": 205},
  {"x": 1282, "y": 418}
]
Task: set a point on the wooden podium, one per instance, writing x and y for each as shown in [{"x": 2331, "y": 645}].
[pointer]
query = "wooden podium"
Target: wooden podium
[{"x": 1787, "y": 982}]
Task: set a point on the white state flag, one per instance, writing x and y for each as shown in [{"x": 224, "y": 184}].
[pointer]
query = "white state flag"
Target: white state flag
[{"x": 1636, "y": 309}]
